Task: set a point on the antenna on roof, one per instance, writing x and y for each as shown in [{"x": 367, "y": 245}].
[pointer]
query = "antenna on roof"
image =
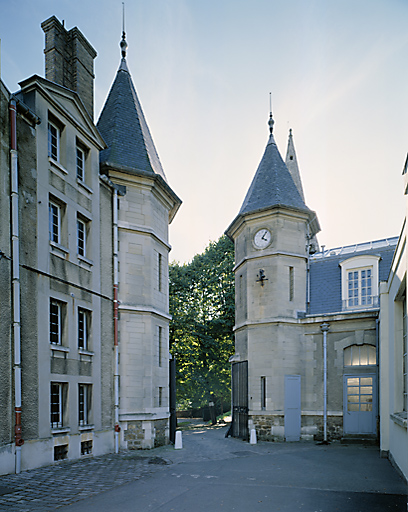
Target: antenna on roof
[
  {"x": 123, "y": 43},
  {"x": 271, "y": 121}
]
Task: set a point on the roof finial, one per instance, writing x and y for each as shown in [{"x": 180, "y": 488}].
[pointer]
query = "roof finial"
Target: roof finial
[
  {"x": 271, "y": 122},
  {"x": 123, "y": 43}
]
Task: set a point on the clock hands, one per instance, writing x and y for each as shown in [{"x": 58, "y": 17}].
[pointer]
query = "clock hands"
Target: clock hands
[{"x": 263, "y": 236}]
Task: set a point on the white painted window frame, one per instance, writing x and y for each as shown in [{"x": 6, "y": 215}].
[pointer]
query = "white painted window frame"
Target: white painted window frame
[
  {"x": 59, "y": 305},
  {"x": 59, "y": 423},
  {"x": 358, "y": 263},
  {"x": 51, "y": 135},
  {"x": 54, "y": 210}
]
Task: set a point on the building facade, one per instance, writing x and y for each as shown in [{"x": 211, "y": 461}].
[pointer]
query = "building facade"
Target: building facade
[
  {"x": 306, "y": 331},
  {"x": 78, "y": 377},
  {"x": 394, "y": 356}
]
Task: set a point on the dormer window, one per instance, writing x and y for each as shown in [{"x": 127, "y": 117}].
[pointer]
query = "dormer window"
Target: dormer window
[{"x": 359, "y": 282}]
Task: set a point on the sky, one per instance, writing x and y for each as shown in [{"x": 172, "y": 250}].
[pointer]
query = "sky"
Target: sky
[{"x": 203, "y": 70}]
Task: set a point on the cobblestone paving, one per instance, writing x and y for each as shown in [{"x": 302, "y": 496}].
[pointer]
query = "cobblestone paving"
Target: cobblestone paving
[{"x": 66, "y": 482}]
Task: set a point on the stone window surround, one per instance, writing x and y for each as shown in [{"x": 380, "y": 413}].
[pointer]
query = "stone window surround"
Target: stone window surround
[{"x": 357, "y": 263}]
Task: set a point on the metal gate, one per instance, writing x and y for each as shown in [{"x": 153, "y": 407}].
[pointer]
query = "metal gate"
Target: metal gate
[{"x": 240, "y": 400}]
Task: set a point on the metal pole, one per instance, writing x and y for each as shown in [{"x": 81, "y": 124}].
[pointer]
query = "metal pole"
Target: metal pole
[{"x": 325, "y": 328}]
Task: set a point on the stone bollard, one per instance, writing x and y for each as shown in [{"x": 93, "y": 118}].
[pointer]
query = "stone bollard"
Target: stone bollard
[
  {"x": 178, "y": 445},
  {"x": 252, "y": 439}
]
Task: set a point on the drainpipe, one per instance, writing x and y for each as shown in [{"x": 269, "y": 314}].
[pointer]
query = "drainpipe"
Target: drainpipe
[
  {"x": 15, "y": 283},
  {"x": 325, "y": 328},
  {"x": 115, "y": 316}
]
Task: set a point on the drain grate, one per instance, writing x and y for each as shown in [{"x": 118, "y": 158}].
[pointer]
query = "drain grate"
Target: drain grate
[{"x": 244, "y": 453}]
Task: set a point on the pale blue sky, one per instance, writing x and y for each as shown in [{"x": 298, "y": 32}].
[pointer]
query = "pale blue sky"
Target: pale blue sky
[{"x": 203, "y": 70}]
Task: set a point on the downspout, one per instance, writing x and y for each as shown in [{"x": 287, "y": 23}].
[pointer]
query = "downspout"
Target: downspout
[
  {"x": 15, "y": 284},
  {"x": 116, "y": 316},
  {"x": 325, "y": 328}
]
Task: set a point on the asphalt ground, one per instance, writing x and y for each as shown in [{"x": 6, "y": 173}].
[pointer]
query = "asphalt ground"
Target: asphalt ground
[{"x": 211, "y": 472}]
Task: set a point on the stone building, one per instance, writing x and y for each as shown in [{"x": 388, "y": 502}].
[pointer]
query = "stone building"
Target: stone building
[
  {"x": 394, "y": 355},
  {"x": 72, "y": 201},
  {"x": 145, "y": 208},
  {"x": 306, "y": 332}
]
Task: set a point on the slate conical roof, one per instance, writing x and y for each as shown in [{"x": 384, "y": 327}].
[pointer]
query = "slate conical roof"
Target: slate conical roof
[
  {"x": 292, "y": 165},
  {"x": 273, "y": 184},
  {"x": 123, "y": 126}
]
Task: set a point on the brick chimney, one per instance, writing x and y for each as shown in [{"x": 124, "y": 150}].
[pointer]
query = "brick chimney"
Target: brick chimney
[{"x": 69, "y": 60}]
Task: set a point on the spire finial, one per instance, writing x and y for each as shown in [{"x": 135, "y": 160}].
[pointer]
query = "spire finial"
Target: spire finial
[
  {"x": 271, "y": 122},
  {"x": 123, "y": 44},
  {"x": 290, "y": 132}
]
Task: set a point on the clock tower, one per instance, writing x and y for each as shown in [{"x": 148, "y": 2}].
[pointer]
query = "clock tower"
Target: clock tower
[{"x": 273, "y": 233}]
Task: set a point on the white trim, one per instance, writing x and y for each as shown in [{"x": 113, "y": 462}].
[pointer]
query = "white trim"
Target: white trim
[{"x": 358, "y": 263}]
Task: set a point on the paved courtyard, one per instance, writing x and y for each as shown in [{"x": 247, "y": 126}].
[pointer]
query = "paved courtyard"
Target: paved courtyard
[{"x": 213, "y": 473}]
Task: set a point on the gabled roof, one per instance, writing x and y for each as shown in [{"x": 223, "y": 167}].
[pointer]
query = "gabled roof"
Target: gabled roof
[
  {"x": 292, "y": 165},
  {"x": 273, "y": 184},
  {"x": 123, "y": 126}
]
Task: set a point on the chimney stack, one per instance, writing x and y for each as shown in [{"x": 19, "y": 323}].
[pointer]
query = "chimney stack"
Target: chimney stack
[{"x": 69, "y": 60}]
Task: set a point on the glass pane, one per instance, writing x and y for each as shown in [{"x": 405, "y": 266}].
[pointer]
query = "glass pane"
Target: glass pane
[
  {"x": 352, "y": 381},
  {"x": 347, "y": 356},
  {"x": 367, "y": 390},
  {"x": 353, "y": 407},
  {"x": 372, "y": 356},
  {"x": 366, "y": 407},
  {"x": 353, "y": 390},
  {"x": 353, "y": 399},
  {"x": 355, "y": 356},
  {"x": 366, "y": 381},
  {"x": 363, "y": 356}
]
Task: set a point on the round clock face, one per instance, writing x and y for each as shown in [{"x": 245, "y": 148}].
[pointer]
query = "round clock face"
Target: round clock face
[{"x": 262, "y": 238}]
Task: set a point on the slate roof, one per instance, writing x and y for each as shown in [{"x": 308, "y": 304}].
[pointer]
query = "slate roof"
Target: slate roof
[
  {"x": 292, "y": 165},
  {"x": 273, "y": 184},
  {"x": 325, "y": 272},
  {"x": 123, "y": 126}
]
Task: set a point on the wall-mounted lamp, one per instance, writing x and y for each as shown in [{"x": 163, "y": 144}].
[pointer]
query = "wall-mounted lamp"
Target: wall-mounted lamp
[{"x": 261, "y": 277}]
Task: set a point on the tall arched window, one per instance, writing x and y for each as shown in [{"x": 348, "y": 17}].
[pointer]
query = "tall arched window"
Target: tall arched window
[{"x": 360, "y": 355}]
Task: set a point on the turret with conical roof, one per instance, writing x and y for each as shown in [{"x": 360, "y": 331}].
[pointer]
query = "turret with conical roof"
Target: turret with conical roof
[
  {"x": 292, "y": 165},
  {"x": 144, "y": 210},
  {"x": 123, "y": 126}
]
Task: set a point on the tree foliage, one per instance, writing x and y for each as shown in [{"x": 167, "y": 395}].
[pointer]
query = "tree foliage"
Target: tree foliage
[{"x": 203, "y": 310}]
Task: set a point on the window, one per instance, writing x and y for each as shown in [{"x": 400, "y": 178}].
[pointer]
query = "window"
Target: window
[
  {"x": 263, "y": 393},
  {"x": 84, "y": 324},
  {"x": 86, "y": 447},
  {"x": 360, "y": 355},
  {"x": 160, "y": 344},
  {"x": 84, "y": 403},
  {"x": 80, "y": 164},
  {"x": 359, "y": 282},
  {"x": 56, "y": 321},
  {"x": 159, "y": 271},
  {"x": 57, "y": 399},
  {"x": 81, "y": 238},
  {"x": 359, "y": 285},
  {"x": 53, "y": 141},
  {"x": 55, "y": 222},
  {"x": 60, "y": 452},
  {"x": 291, "y": 283},
  {"x": 160, "y": 397}
]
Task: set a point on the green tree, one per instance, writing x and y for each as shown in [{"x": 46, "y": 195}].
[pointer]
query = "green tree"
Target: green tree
[{"x": 203, "y": 311}]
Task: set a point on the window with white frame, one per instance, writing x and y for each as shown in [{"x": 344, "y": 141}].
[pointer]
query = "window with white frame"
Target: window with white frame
[
  {"x": 58, "y": 394},
  {"x": 56, "y": 321},
  {"x": 54, "y": 135},
  {"x": 84, "y": 324},
  {"x": 359, "y": 287},
  {"x": 81, "y": 237},
  {"x": 54, "y": 222},
  {"x": 80, "y": 164},
  {"x": 84, "y": 404},
  {"x": 359, "y": 282}
]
